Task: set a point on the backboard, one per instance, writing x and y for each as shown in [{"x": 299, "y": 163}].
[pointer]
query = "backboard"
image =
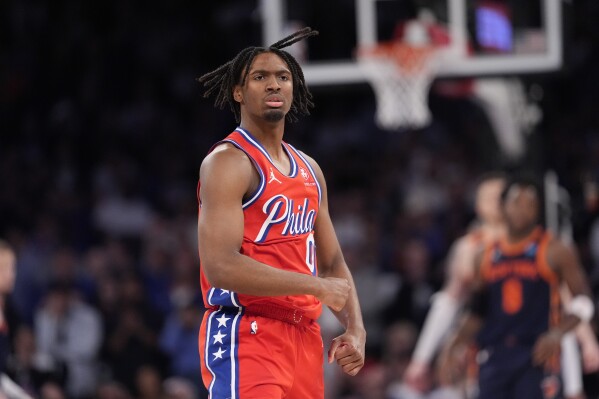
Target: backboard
[{"x": 487, "y": 37}]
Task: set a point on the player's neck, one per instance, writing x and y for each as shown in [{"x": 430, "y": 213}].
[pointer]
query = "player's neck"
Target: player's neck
[
  {"x": 514, "y": 236},
  {"x": 269, "y": 134}
]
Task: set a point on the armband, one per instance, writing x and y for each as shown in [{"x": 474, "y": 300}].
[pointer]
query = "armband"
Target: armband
[
  {"x": 439, "y": 319},
  {"x": 582, "y": 307}
]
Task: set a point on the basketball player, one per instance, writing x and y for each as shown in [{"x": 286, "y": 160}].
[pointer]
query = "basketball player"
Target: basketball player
[
  {"x": 446, "y": 304},
  {"x": 515, "y": 312},
  {"x": 263, "y": 225}
]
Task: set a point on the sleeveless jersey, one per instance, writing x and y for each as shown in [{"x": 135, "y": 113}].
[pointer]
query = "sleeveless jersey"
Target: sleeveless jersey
[
  {"x": 523, "y": 292},
  {"x": 278, "y": 224}
]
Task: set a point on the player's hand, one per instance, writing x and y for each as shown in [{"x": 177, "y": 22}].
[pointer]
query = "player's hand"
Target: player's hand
[
  {"x": 417, "y": 376},
  {"x": 590, "y": 357},
  {"x": 547, "y": 346},
  {"x": 348, "y": 350},
  {"x": 335, "y": 292}
]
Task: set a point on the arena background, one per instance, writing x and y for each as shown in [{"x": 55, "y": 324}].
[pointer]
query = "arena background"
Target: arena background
[{"x": 102, "y": 132}]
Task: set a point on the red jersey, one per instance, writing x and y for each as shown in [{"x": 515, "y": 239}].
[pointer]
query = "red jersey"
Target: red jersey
[{"x": 278, "y": 224}]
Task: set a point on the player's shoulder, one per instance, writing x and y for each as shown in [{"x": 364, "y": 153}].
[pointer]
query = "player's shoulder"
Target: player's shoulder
[
  {"x": 468, "y": 242},
  {"x": 463, "y": 256},
  {"x": 226, "y": 159},
  {"x": 225, "y": 153},
  {"x": 560, "y": 255},
  {"x": 556, "y": 247}
]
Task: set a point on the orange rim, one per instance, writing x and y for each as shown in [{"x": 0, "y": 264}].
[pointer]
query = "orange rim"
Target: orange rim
[{"x": 409, "y": 58}]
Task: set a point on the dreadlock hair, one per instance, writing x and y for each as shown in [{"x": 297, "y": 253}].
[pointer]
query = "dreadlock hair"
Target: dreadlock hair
[{"x": 224, "y": 78}]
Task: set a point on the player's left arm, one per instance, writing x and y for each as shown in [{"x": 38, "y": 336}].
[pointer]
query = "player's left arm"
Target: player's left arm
[
  {"x": 586, "y": 338},
  {"x": 564, "y": 261},
  {"x": 348, "y": 349}
]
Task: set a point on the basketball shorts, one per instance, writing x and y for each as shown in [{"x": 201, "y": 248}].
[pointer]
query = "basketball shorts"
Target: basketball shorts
[
  {"x": 245, "y": 356},
  {"x": 508, "y": 373}
]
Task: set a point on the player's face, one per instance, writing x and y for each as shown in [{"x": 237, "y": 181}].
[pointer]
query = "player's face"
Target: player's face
[
  {"x": 488, "y": 201},
  {"x": 268, "y": 89},
  {"x": 521, "y": 208}
]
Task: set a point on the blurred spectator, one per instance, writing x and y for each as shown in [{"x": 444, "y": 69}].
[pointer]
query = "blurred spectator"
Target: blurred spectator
[
  {"x": 370, "y": 383},
  {"x": 376, "y": 290},
  {"x": 121, "y": 210},
  {"x": 68, "y": 335},
  {"x": 34, "y": 254},
  {"x": 148, "y": 383},
  {"x": 112, "y": 390},
  {"x": 51, "y": 390},
  {"x": 412, "y": 299},
  {"x": 133, "y": 340},
  {"x": 26, "y": 366},
  {"x": 185, "y": 272},
  {"x": 399, "y": 343},
  {"x": 179, "y": 388},
  {"x": 594, "y": 246},
  {"x": 179, "y": 336},
  {"x": 7, "y": 282},
  {"x": 157, "y": 276},
  {"x": 65, "y": 268},
  {"x": 109, "y": 305}
]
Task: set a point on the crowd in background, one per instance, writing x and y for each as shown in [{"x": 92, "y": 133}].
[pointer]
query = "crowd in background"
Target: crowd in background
[{"x": 102, "y": 132}]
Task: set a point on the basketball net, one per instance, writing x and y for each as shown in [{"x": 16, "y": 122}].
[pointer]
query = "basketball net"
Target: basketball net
[{"x": 400, "y": 74}]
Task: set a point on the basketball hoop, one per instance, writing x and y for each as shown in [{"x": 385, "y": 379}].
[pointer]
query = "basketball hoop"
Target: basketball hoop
[{"x": 400, "y": 75}]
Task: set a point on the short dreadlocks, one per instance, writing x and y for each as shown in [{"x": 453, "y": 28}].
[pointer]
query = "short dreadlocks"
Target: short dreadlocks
[{"x": 224, "y": 78}]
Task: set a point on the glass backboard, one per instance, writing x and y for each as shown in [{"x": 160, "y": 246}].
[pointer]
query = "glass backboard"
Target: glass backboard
[{"x": 487, "y": 37}]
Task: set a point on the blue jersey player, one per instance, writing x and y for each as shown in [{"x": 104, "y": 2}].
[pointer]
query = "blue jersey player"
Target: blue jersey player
[{"x": 515, "y": 315}]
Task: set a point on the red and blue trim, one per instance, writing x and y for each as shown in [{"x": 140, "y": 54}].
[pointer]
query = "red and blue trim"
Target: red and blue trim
[{"x": 221, "y": 353}]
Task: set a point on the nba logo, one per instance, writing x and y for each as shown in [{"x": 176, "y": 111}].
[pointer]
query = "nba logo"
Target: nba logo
[
  {"x": 253, "y": 327},
  {"x": 304, "y": 174}
]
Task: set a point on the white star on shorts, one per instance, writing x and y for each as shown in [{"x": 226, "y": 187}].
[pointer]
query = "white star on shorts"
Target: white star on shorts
[
  {"x": 218, "y": 354},
  {"x": 219, "y": 337},
  {"x": 222, "y": 321}
]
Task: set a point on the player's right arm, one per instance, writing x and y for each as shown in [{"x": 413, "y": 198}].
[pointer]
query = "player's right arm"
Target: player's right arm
[
  {"x": 226, "y": 176},
  {"x": 444, "y": 309}
]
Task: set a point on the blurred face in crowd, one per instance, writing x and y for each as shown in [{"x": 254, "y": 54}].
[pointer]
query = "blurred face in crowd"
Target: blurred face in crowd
[
  {"x": 521, "y": 209},
  {"x": 148, "y": 382},
  {"x": 268, "y": 90},
  {"x": 189, "y": 317},
  {"x": 112, "y": 390},
  {"x": 415, "y": 261},
  {"x": 24, "y": 345},
  {"x": 488, "y": 200},
  {"x": 51, "y": 390},
  {"x": 58, "y": 301},
  {"x": 7, "y": 271}
]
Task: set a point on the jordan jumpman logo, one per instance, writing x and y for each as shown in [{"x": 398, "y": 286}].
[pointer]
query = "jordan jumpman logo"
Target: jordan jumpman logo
[{"x": 273, "y": 177}]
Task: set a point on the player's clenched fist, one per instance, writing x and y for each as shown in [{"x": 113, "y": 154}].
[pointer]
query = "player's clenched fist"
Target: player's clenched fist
[{"x": 335, "y": 292}]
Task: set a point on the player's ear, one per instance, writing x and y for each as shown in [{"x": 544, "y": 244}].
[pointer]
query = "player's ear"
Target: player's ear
[{"x": 237, "y": 95}]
